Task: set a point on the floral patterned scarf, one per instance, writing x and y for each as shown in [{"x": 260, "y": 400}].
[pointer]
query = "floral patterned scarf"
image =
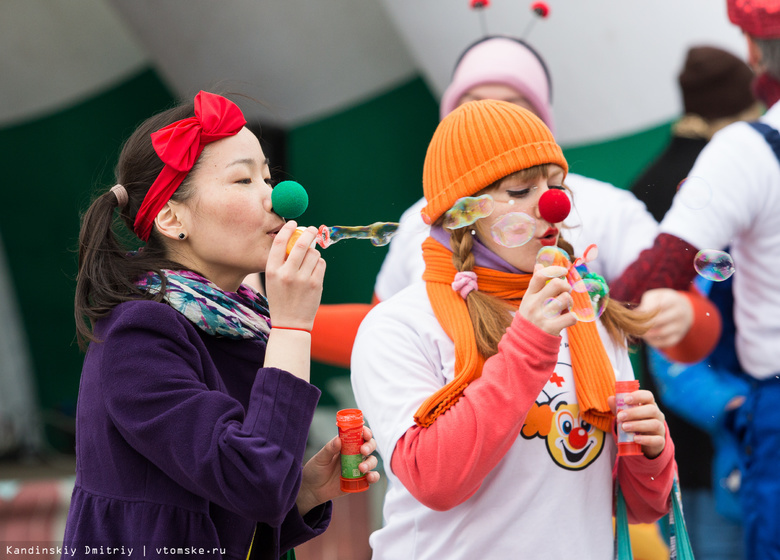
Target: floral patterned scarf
[{"x": 236, "y": 315}]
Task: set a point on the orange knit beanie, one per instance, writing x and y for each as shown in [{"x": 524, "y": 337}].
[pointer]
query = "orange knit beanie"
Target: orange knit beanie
[{"x": 479, "y": 143}]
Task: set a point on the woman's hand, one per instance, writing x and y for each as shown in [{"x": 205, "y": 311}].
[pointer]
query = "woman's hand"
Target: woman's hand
[
  {"x": 321, "y": 474},
  {"x": 294, "y": 284},
  {"x": 674, "y": 318},
  {"x": 643, "y": 419},
  {"x": 546, "y": 303}
]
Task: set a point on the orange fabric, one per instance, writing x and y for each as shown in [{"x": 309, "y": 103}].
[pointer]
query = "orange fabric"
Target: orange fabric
[
  {"x": 593, "y": 374},
  {"x": 334, "y": 331},
  {"x": 453, "y": 315},
  {"x": 703, "y": 336},
  {"x": 593, "y": 388},
  {"x": 588, "y": 355}
]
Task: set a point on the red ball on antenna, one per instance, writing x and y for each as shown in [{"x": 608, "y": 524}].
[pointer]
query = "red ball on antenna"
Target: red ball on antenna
[
  {"x": 541, "y": 9},
  {"x": 479, "y": 4},
  {"x": 554, "y": 206}
]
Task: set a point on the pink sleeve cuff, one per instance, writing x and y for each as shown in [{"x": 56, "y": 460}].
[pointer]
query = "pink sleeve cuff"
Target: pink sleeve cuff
[{"x": 647, "y": 483}]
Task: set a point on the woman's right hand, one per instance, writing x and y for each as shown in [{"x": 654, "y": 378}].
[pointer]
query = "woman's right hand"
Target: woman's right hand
[
  {"x": 673, "y": 319},
  {"x": 293, "y": 284},
  {"x": 546, "y": 303}
]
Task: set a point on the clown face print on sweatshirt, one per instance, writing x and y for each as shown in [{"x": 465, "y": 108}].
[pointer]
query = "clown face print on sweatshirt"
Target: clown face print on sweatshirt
[{"x": 555, "y": 418}]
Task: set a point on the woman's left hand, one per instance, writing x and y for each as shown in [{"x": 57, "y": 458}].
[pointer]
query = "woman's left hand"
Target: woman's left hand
[
  {"x": 643, "y": 419},
  {"x": 321, "y": 474}
]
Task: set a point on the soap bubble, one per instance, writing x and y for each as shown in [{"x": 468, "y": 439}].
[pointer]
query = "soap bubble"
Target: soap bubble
[
  {"x": 714, "y": 265},
  {"x": 379, "y": 233},
  {"x": 589, "y": 293},
  {"x": 590, "y": 299},
  {"x": 382, "y": 232},
  {"x": 694, "y": 192},
  {"x": 468, "y": 210},
  {"x": 514, "y": 229},
  {"x": 555, "y": 261}
]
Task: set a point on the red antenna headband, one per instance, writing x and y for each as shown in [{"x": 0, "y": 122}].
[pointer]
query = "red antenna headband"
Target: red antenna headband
[
  {"x": 179, "y": 145},
  {"x": 539, "y": 9}
]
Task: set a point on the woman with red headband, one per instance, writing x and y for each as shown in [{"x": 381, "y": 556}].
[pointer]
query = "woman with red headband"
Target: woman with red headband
[{"x": 195, "y": 402}]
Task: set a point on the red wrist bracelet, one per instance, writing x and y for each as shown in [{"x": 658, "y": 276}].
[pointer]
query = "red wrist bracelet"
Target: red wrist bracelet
[{"x": 291, "y": 329}]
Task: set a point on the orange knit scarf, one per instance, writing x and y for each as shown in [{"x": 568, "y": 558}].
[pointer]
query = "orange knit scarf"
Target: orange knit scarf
[{"x": 594, "y": 378}]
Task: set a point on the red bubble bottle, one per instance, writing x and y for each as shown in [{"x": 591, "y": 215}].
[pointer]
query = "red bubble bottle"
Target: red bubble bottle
[
  {"x": 350, "y": 424},
  {"x": 626, "y": 445}
]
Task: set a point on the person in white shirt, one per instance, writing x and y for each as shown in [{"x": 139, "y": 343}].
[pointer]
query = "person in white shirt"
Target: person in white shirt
[
  {"x": 738, "y": 206},
  {"x": 490, "y": 402}
]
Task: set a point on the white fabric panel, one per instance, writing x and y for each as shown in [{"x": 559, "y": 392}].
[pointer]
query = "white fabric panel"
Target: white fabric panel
[
  {"x": 614, "y": 64},
  {"x": 303, "y": 59},
  {"x": 57, "y": 52}
]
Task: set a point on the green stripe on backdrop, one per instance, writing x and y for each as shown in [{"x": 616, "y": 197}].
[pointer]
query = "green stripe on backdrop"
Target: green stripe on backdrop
[
  {"x": 621, "y": 160},
  {"x": 51, "y": 168},
  {"x": 361, "y": 166}
]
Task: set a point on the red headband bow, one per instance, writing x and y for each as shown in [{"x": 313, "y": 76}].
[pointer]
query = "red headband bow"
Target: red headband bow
[{"x": 179, "y": 145}]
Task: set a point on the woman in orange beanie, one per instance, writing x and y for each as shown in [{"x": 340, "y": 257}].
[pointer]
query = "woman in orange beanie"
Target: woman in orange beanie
[{"x": 451, "y": 372}]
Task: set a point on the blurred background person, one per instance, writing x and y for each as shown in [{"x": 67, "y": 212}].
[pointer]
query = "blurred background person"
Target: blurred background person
[
  {"x": 716, "y": 91},
  {"x": 740, "y": 171},
  {"x": 715, "y": 87}
]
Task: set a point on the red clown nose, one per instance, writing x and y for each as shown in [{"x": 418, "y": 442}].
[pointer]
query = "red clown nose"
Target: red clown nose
[{"x": 554, "y": 206}]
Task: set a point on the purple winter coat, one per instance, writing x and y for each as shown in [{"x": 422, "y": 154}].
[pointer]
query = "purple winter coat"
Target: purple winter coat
[{"x": 183, "y": 441}]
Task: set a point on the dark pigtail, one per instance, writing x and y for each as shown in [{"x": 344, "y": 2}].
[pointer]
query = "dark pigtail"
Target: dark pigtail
[{"x": 109, "y": 264}]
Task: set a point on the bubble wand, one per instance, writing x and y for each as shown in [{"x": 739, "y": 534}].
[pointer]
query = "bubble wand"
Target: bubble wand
[
  {"x": 289, "y": 200},
  {"x": 379, "y": 233}
]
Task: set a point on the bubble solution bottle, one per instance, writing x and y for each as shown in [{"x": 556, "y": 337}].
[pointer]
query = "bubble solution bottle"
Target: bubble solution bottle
[
  {"x": 350, "y": 424},
  {"x": 626, "y": 445}
]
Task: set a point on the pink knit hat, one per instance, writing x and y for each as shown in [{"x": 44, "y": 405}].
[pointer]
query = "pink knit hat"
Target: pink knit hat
[{"x": 501, "y": 60}]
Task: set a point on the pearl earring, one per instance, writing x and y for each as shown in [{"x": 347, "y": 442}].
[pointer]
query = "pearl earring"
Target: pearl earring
[{"x": 182, "y": 235}]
